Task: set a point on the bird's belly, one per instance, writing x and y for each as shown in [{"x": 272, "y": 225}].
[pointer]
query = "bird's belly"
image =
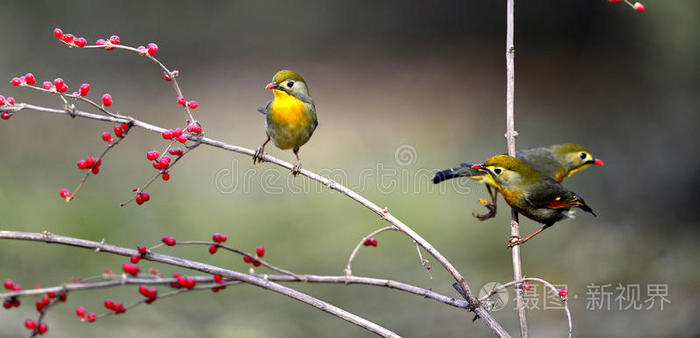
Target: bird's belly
[{"x": 291, "y": 126}]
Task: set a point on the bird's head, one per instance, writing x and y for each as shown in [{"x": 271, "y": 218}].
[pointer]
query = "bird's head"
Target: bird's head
[
  {"x": 574, "y": 156},
  {"x": 289, "y": 82},
  {"x": 505, "y": 171}
]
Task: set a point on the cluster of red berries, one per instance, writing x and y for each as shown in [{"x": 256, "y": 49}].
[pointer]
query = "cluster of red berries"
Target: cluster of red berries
[
  {"x": 217, "y": 238},
  {"x": 142, "y": 198},
  {"x": 192, "y": 104},
  {"x": 69, "y": 39},
  {"x": 131, "y": 269},
  {"x": 6, "y": 101},
  {"x": 28, "y": 79},
  {"x": 218, "y": 280},
  {"x": 150, "y": 293},
  {"x": 32, "y": 325},
  {"x": 370, "y": 242},
  {"x": 106, "y": 44},
  {"x": 169, "y": 240},
  {"x": 151, "y": 49},
  {"x": 90, "y": 163},
  {"x": 175, "y": 134},
  {"x": 14, "y": 301},
  {"x": 259, "y": 252},
  {"x": 183, "y": 281}
]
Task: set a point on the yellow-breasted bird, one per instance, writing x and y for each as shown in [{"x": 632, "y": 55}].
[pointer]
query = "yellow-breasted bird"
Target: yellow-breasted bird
[
  {"x": 528, "y": 191},
  {"x": 557, "y": 161},
  {"x": 290, "y": 115}
]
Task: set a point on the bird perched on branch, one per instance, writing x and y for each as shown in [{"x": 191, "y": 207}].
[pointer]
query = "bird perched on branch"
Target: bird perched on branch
[
  {"x": 290, "y": 115},
  {"x": 558, "y": 162},
  {"x": 528, "y": 191}
]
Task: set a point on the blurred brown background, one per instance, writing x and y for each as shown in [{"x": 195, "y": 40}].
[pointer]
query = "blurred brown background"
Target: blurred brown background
[{"x": 422, "y": 77}]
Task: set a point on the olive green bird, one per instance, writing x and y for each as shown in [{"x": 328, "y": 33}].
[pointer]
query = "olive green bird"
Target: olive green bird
[
  {"x": 529, "y": 192},
  {"x": 290, "y": 115},
  {"x": 558, "y": 162}
]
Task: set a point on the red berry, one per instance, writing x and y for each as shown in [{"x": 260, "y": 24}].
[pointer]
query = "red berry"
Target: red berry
[
  {"x": 176, "y": 152},
  {"x": 107, "y": 100},
  {"x": 29, "y": 78},
  {"x": 82, "y": 165},
  {"x": 58, "y": 33},
  {"x": 193, "y": 104},
  {"x": 8, "y": 284},
  {"x": 195, "y": 129},
  {"x": 84, "y": 89},
  {"x": 143, "y": 290},
  {"x": 63, "y": 297},
  {"x": 51, "y": 294},
  {"x": 156, "y": 165},
  {"x": 223, "y": 238},
  {"x": 89, "y": 162},
  {"x": 260, "y": 251},
  {"x": 638, "y": 7},
  {"x": 118, "y": 131},
  {"x": 15, "y": 301},
  {"x": 42, "y": 328},
  {"x": 217, "y": 278},
  {"x": 68, "y": 38},
  {"x": 247, "y": 259},
  {"x": 216, "y": 237},
  {"x": 58, "y": 82},
  {"x": 182, "y": 138},
  {"x": 91, "y": 317},
  {"x": 30, "y": 324},
  {"x": 256, "y": 263},
  {"x": 180, "y": 100},
  {"x": 135, "y": 259},
  {"x": 101, "y": 42},
  {"x": 166, "y": 158},
  {"x": 152, "y": 48},
  {"x": 80, "y": 42},
  {"x": 95, "y": 170},
  {"x": 130, "y": 269},
  {"x": 213, "y": 249},
  {"x": 142, "y": 249},
  {"x": 176, "y": 132},
  {"x": 527, "y": 286},
  {"x": 114, "y": 39},
  {"x": 10, "y": 100},
  {"x": 152, "y": 155},
  {"x": 167, "y": 77},
  {"x": 163, "y": 164},
  {"x": 7, "y": 304},
  {"x": 142, "y": 50},
  {"x": 167, "y": 134},
  {"x": 47, "y": 85},
  {"x": 119, "y": 308},
  {"x": 2, "y": 100},
  {"x": 166, "y": 176},
  {"x": 39, "y": 305},
  {"x": 125, "y": 126},
  {"x": 46, "y": 300},
  {"x": 80, "y": 311},
  {"x": 65, "y": 193},
  {"x": 145, "y": 196},
  {"x": 109, "y": 304},
  {"x": 62, "y": 89},
  {"x": 15, "y": 81},
  {"x": 169, "y": 241},
  {"x": 563, "y": 292},
  {"x": 107, "y": 137},
  {"x": 367, "y": 242},
  {"x": 5, "y": 115}
]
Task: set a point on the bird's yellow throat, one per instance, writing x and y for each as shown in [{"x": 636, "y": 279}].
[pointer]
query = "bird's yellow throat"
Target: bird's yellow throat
[{"x": 286, "y": 108}]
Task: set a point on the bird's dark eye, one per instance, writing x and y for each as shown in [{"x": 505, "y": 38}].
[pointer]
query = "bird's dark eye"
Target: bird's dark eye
[
  {"x": 583, "y": 155},
  {"x": 497, "y": 171},
  {"x": 290, "y": 84}
]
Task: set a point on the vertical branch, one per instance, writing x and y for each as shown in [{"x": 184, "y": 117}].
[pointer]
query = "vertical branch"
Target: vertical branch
[{"x": 510, "y": 138}]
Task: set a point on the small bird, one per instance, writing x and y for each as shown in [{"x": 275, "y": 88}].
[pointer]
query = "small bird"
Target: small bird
[
  {"x": 558, "y": 161},
  {"x": 290, "y": 115},
  {"x": 529, "y": 192}
]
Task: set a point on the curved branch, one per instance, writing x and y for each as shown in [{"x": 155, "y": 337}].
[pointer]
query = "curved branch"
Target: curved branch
[
  {"x": 382, "y": 212},
  {"x": 234, "y": 275}
]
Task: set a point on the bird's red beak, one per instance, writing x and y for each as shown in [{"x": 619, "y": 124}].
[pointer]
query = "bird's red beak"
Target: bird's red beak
[
  {"x": 477, "y": 166},
  {"x": 599, "y": 162},
  {"x": 271, "y": 85}
]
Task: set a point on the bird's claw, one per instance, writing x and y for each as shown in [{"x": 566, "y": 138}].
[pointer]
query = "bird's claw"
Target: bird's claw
[
  {"x": 258, "y": 156},
  {"x": 514, "y": 240},
  {"x": 296, "y": 168},
  {"x": 490, "y": 214}
]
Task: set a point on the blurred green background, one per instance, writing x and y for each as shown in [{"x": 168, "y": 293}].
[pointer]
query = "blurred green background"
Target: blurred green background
[{"x": 403, "y": 89}]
